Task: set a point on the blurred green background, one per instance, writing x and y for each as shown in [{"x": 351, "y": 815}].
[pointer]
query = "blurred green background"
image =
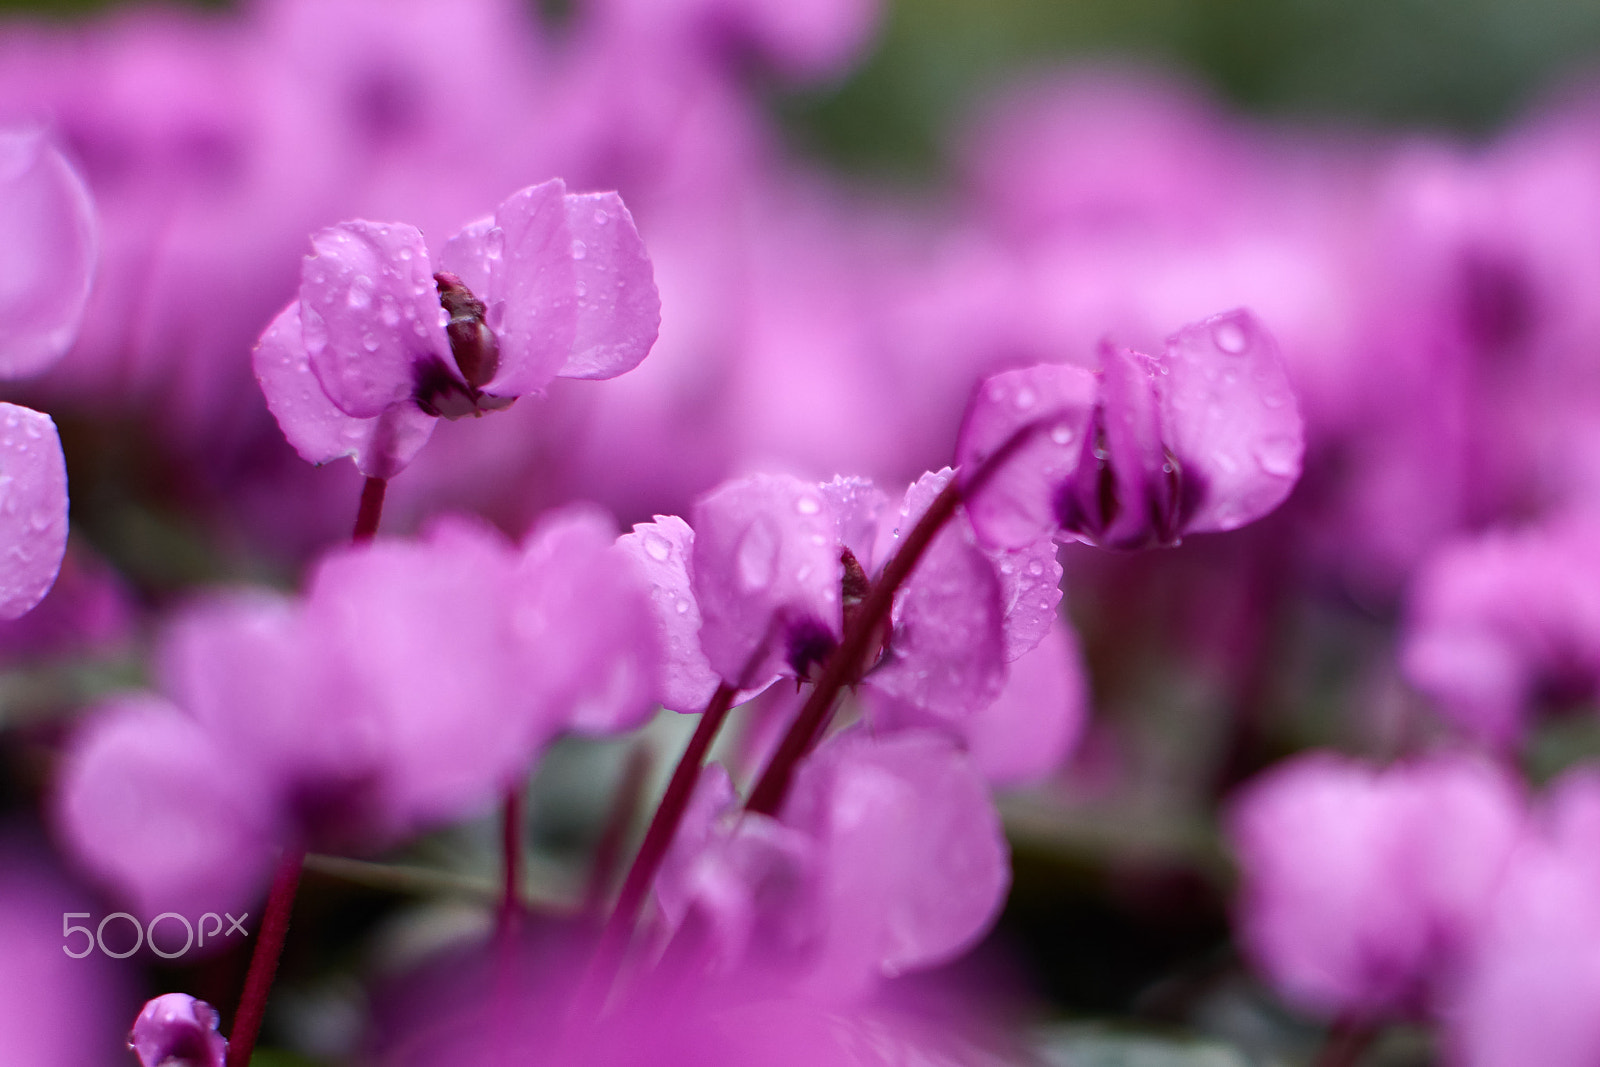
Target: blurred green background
[{"x": 1464, "y": 65}]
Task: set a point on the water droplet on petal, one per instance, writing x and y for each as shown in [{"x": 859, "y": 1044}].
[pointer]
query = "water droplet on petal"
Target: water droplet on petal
[
  {"x": 579, "y": 250},
  {"x": 682, "y": 606},
  {"x": 1061, "y": 433},
  {"x": 360, "y": 295},
  {"x": 1278, "y": 455},
  {"x": 1025, "y": 398},
  {"x": 656, "y": 546},
  {"x": 807, "y": 505},
  {"x": 757, "y": 555},
  {"x": 1229, "y": 337},
  {"x": 1036, "y": 568},
  {"x": 600, "y": 216},
  {"x": 494, "y": 243},
  {"x": 370, "y": 342}
]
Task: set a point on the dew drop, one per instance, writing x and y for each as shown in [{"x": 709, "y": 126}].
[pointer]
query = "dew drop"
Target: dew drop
[
  {"x": 370, "y": 342},
  {"x": 494, "y": 243},
  {"x": 579, "y": 250},
  {"x": 388, "y": 313},
  {"x": 1229, "y": 337},
  {"x": 1025, "y": 398},
  {"x": 682, "y": 606},
  {"x": 656, "y": 547},
  {"x": 600, "y": 216},
  {"x": 757, "y": 555},
  {"x": 807, "y": 505},
  {"x": 360, "y": 295},
  {"x": 1061, "y": 433},
  {"x": 1278, "y": 455},
  {"x": 405, "y": 254},
  {"x": 1036, "y": 568}
]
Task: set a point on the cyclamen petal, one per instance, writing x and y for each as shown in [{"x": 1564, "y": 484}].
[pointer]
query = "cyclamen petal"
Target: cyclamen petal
[
  {"x": 1231, "y": 418},
  {"x": 619, "y": 310},
  {"x": 153, "y": 807},
  {"x": 913, "y": 863},
  {"x": 175, "y": 1028},
  {"x": 1362, "y": 888},
  {"x": 314, "y": 426},
  {"x": 766, "y": 573},
  {"x": 1018, "y": 503},
  {"x": 583, "y": 618},
  {"x": 1030, "y": 594},
  {"x": 47, "y": 252},
  {"x": 661, "y": 551},
  {"x": 33, "y": 508},
  {"x": 947, "y": 651},
  {"x": 370, "y": 315},
  {"x": 427, "y": 662}
]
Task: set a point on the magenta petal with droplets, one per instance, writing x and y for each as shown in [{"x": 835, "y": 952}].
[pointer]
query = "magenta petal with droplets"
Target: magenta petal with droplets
[
  {"x": 619, "y": 310},
  {"x": 947, "y": 651},
  {"x": 661, "y": 550},
  {"x": 1231, "y": 419},
  {"x": 370, "y": 314},
  {"x": 47, "y": 252},
  {"x": 766, "y": 574},
  {"x": 1018, "y": 503},
  {"x": 381, "y": 446},
  {"x": 33, "y": 508},
  {"x": 175, "y": 1028}
]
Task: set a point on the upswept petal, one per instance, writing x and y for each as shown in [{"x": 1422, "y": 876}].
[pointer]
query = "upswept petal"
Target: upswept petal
[
  {"x": 370, "y": 315},
  {"x": 33, "y": 508},
  {"x": 48, "y": 246},
  {"x": 1019, "y": 502},
  {"x": 660, "y": 550},
  {"x": 318, "y": 430},
  {"x": 1231, "y": 419},
  {"x": 618, "y": 307},
  {"x": 532, "y": 288}
]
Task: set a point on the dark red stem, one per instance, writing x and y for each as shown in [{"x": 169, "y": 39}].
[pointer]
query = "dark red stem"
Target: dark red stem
[
  {"x": 845, "y": 665},
  {"x": 511, "y": 866},
  {"x": 264, "y": 960},
  {"x": 370, "y": 511},
  {"x": 663, "y": 826},
  {"x": 1347, "y": 1040}
]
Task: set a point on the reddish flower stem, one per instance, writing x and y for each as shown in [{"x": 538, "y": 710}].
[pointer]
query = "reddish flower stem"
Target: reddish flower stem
[
  {"x": 264, "y": 959},
  {"x": 845, "y": 665},
  {"x": 511, "y": 865},
  {"x": 1348, "y": 1039},
  {"x": 657, "y": 839},
  {"x": 370, "y": 509}
]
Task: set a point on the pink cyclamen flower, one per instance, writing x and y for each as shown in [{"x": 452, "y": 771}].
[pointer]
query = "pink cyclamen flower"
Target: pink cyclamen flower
[
  {"x": 1505, "y": 622},
  {"x": 33, "y": 508},
  {"x": 382, "y": 340},
  {"x": 1363, "y": 889},
  {"x": 412, "y": 685},
  {"x": 175, "y": 1028},
  {"x": 1205, "y": 437}
]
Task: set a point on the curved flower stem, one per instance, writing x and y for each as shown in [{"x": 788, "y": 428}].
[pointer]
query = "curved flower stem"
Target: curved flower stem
[
  {"x": 657, "y": 839},
  {"x": 511, "y": 850},
  {"x": 370, "y": 509},
  {"x": 845, "y": 665},
  {"x": 264, "y": 960},
  {"x": 1347, "y": 1040}
]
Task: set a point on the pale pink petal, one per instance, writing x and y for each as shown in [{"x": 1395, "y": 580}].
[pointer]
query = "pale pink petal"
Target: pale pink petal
[
  {"x": 914, "y": 863},
  {"x": 1028, "y": 732},
  {"x": 152, "y": 807},
  {"x": 47, "y": 252},
  {"x": 33, "y": 508},
  {"x": 532, "y": 296},
  {"x": 619, "y": 310},
  {"x": 370, "y": 314},
  {"x": 1030, "y": 593},
  {"x": 421, "y": 637},
  {"x": 661, "y": 551},
  {"x": 319, "y": 431},
  {"x": 584, "y": 621},
  {"x": 1018, "y": 503},
  {"x": 1231, "y": 419},
  {"x": 859, "y": 508},
  {"x": 766, "y": 573}
]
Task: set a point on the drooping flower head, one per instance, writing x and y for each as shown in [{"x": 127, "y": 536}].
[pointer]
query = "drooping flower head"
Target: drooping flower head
[
  {"x": 383, "y": 340},
  {"x": 175, "y": 1028},
  {"x": 1206, "y": 437}
]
